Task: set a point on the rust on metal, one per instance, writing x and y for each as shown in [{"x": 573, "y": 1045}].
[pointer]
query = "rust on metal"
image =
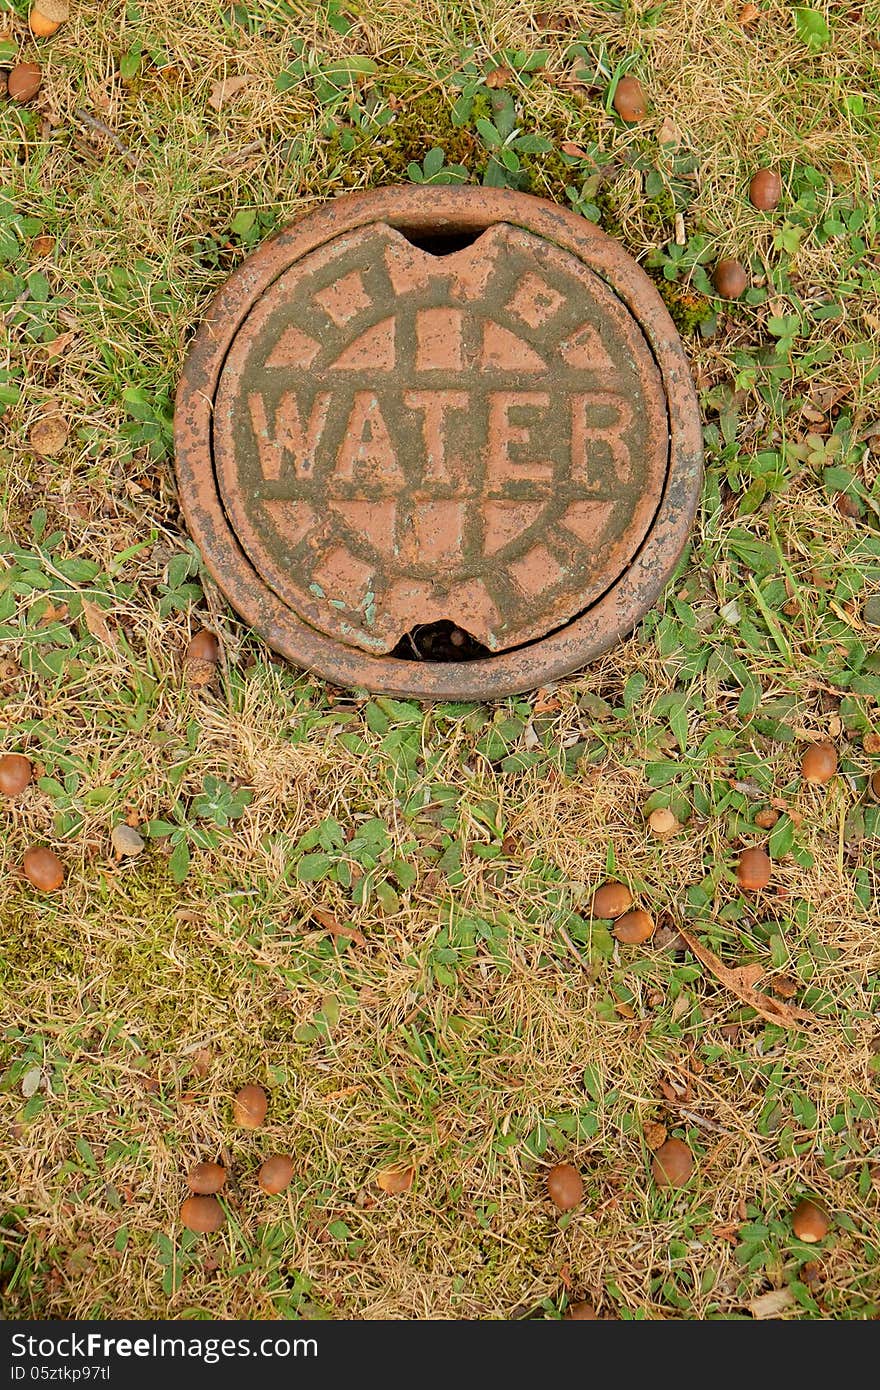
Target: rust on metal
[{"x": 441, "y": 444}]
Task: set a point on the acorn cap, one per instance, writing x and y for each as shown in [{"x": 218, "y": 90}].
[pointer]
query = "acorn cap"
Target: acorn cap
[{"x": 56, "y": 10}]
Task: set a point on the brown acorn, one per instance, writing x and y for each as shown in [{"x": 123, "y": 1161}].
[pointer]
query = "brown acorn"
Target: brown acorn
[
  {"x": 47, "y": 16},
  {"x": 629, "y": 99},
  {"x": 663, "y": 823},
  {"x": 819, "y": 763},
  {"x": 201, "y": 657},
  {"x": 565, "y": 1186},
  {"x": 202, "y": 1214},
  {"x": 809, "y": 1222},
  {"x": 206, "y": 1178},
  {"x": 24, "y": 81},
  {"x": 767, "y": 818},
  {"x": 203, "y": 646},
  {"x": 753, "y": 870},
  {"x": 730, "y": 279},
  {"x": 43, "y": 869},
  {"x": 672, "y": 1164},
  {"x": 634, "y": 927},
  {"x": 580, "y": 1311},
  {"x": 612, "y": 899},
  {"x": 276, "y": 1174},
  {"x": 16, "y": 772},
  {"x": 249, "y": 1107},
  {"x": 765, "y": 190}
]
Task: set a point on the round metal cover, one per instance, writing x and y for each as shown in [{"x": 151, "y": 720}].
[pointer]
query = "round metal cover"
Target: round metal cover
[{"x": 461, "y": 416}]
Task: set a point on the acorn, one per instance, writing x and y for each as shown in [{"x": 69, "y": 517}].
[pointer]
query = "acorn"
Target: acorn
[
  {"x": 611, "y": 900},
  {"x": 202, "y": 1214},
  {"x": 206, "y": 1178},
  {"x": 249, "y": 1107},
  {"x": 767, "y": 818},
  {"x": 874, "y": 785},
  {"x": 629, "y": 100},
  {"x": 819, "y": 763},
  {"x": 663, "y": 822},
  {"x": 43, "y": 869},
  {"x": 47, "y": 16},
  {"x": 203, "y": 646},
  {"x": 634, "y": 927},
  {"x": 809, "y": 1222},
  {"x": 275, "y": 1174},
  {"x": 565, "y": 1186},
  {"x": 201, "y": 657},
  {"x": 730, "y": 279},
  {"x": 24, "y": 81},
  {"x": 753, "y": 870},
  {"x": 576, "y": 1312},
  {"x": 16, "y": 772},
  {"x": 672, "y": 1164},
  {"x": 765, "y": 190}
]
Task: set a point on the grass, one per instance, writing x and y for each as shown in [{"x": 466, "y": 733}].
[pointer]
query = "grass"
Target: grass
[{"x": 487, "y": 1027}]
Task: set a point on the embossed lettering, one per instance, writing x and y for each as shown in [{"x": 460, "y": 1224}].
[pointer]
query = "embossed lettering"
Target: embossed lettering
[
  {"x": 289, "y": 438},
  {"x": 366, "y": 441},
  {"x": 500, "y": 467},
  {"x": 587, "y": 431},
  {"x": 436, "y": 407}
]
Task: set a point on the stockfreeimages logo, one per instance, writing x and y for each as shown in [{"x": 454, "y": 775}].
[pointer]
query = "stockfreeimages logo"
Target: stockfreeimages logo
[{"x": 99, "y": 1347}]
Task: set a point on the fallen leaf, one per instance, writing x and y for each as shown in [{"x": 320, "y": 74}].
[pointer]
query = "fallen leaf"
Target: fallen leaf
[
  {"x": 748, "y": 975},
  {"x": 730, "y": 1233},
  {"x": 53, "y": 613},
  {"x": 42, "y": 246},
  {"x": 669, "y": 133},
  {"x": 770, "y": 1305},
  {"x": 30, "y": 1082},
  {"x": 335, "y": 928},
  {"x": 811, "y": 1274},
  {"x": 395, "y": 1180},
  {"x": 59, "y": 345},
  {"x": 127, "y": 843},
  {"x": 499, "y": 77},
  {"x": 667, "y": 939},
  {"x": 681, "y": 1006},
  {"x": 574, "y": 151},
  {"x": 783, "y": 1014},
  {"x": 747, "y": 15},
  {"x": 201, "y": 1061},
  {"x": 226, "y": 89},
  {"x": 96, "y": 622},
  {"x": 784, "y": 986},
  {"x": 48, "y": 436}
]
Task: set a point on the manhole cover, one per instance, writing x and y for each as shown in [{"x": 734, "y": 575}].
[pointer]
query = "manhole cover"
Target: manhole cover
[{"x": 441, "y": 444}]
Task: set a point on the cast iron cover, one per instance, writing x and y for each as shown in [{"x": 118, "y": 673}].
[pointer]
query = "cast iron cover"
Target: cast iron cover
[{"x": 456, "y": 421}]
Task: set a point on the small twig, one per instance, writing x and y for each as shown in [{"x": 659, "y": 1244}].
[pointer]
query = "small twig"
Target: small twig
[
  {"x": 92, "y": 123},
  {"x": 335, "y": 928},
  {"x": 702, "y": 1122},
  {"x": 232, "y": 155},
  {"x": 584, "y": 964}
]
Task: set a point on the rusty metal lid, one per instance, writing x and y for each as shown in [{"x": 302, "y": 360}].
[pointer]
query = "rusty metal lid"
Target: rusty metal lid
[{"x": 440, "y": 443}]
